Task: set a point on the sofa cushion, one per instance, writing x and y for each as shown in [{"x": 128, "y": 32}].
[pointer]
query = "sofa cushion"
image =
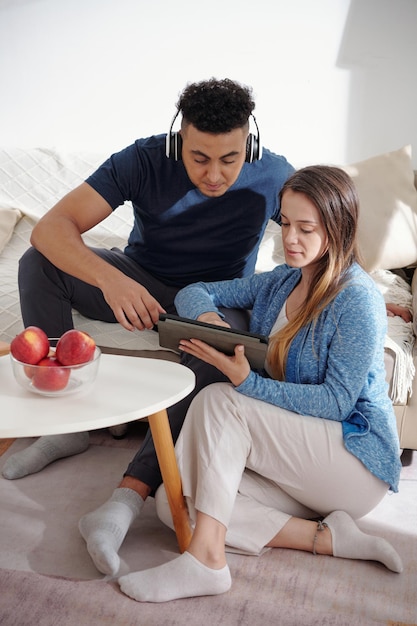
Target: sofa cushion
[
  {"x": 388, "y": 209},
  {"x": 8, "y": 220}
]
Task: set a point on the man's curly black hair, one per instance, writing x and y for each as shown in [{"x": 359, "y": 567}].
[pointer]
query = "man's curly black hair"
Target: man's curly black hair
[{"x": 216, "y": 106}]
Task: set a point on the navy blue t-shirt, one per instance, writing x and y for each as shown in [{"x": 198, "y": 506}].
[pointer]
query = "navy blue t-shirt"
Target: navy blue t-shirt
[{"x": 180, "y": 235}]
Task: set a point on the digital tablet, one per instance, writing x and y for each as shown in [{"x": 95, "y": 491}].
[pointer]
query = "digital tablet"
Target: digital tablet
[{"x": 172, "y": 329}]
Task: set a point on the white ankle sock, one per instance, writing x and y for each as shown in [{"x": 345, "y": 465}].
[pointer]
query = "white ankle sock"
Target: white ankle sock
[
  {"x": 351, "y": 543},
  {"x": 184, "y": 577},
  {"x": 42, "y": 452},
  {"x": 105, "y": 528}
]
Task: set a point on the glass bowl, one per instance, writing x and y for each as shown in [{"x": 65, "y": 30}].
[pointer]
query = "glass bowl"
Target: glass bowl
[{"x": 59, "y": 380}]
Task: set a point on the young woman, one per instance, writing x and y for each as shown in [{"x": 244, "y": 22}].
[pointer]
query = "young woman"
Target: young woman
[{"x": 311, "y": 437}]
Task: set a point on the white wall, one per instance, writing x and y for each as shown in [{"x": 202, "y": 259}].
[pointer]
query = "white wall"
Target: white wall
[{"x": 334, "y": 80}]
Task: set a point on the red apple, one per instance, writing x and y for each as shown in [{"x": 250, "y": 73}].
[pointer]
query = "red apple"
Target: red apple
[
  {"x": 49, "y": 375},
  {"x": 75, "y": 347},
  {"x": 29, "y": 370},
  {"x": 30, "y": 346}
]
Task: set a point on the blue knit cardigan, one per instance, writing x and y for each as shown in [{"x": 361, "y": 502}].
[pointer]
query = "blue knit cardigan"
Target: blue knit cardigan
[{"x": 334, "y": 371}]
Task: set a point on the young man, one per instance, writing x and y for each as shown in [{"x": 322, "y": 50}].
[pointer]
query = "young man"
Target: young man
[{"x": 202, "y": 198}]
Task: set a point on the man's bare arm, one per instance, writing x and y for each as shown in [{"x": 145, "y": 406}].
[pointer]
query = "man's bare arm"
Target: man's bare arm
[
  {"x": 402, "y": 311},
  {"x": 58, "y": 234},
  {"x": 58, "y": 237}
]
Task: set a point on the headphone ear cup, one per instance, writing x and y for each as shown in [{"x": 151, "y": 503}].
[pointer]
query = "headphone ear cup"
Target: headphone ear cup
[
  {"x": 174, "y": 146},
  {"x": 252, "y": 148}
]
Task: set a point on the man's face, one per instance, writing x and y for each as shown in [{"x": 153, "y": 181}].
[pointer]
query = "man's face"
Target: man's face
[{"x": 213, "y": 162}]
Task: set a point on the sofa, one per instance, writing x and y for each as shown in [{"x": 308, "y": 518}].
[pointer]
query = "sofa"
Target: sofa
[{"x": 33, "y": 180}]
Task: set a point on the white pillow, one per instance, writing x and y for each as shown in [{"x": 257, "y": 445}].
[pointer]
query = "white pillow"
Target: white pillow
[
  {"x": 8, "y": 220},
  {"x": 271, "y": 252},
  {"x": 388, "y": 209}
]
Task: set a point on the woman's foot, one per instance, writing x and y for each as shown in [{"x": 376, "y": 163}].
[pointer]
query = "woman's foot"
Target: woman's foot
[
  {"x": 351, "y": 543},
  {"x": 184, "y": 577}
]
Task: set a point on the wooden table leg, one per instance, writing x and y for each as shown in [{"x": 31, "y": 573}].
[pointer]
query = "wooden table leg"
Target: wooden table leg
[{"x": 164, "y": 446}]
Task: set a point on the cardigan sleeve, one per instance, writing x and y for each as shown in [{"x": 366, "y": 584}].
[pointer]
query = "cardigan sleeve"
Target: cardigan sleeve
[
  {"x": 329, "y": 366},
  {"x": 198, "y": 298},
  {"x": 347, "y": 361}
]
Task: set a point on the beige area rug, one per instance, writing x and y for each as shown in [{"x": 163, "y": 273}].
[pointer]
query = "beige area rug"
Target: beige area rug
[{"x": 48, "y": 579}]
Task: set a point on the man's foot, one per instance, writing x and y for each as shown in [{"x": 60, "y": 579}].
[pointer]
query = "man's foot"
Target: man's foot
[
  {"x": 42, "y": 452},
  {"x": 184, "y": 577},
  {"x": 351, "y": 543},
  {"x": 105, "y": 528}
]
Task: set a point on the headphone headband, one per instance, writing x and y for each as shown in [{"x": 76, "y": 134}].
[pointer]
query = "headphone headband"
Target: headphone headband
[{"x": 173, "y": 143}]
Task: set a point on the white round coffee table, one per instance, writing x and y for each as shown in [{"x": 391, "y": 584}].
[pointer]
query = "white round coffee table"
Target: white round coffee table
[{"x": 126, "y": 389}]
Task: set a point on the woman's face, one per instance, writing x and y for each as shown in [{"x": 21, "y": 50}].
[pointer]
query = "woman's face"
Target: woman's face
[{"x": 303, "y": 235}]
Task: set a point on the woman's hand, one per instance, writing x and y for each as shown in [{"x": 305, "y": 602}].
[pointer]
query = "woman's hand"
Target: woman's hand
[
  {"x": 235, "y": 367},
  {"x": 212, "y": 318}
]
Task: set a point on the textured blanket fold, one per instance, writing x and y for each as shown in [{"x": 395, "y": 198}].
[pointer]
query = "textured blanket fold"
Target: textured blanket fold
[{"x": 400, "y": 337}]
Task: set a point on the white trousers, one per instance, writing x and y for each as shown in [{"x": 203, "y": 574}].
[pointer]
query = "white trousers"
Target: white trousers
[{"x": 252, "y": 466}]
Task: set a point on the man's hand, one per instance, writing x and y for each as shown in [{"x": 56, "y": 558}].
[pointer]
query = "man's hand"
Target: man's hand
[
  {"x": 395, "y": 309},
  {"x": 236, "y": 367},
  {"x": 132, "y": 304}
]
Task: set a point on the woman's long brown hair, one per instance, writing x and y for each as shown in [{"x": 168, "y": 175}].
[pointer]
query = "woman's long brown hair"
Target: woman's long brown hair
[{"x": 333, "y": 193}]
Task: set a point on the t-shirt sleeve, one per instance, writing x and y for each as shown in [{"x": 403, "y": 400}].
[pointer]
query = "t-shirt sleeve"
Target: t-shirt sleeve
[{"x": 113, "y": 179}]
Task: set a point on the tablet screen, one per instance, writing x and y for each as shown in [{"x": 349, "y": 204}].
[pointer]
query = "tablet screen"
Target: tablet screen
[{"x": 172, "y": 329}]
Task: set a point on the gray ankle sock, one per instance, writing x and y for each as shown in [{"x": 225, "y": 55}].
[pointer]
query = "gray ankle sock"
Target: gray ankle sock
[
  {"x": 105, "y": 528},
  {"x": 351, "y": 543},
  {"x": 42, "y": 452}
]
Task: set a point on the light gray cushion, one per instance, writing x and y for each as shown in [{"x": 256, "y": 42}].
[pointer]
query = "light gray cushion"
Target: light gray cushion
[{"x": 388, "y": 209}]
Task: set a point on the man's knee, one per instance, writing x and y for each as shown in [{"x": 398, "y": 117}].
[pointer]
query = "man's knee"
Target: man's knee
[
  {"x": 30, "y": 258},
  {"x": 33, "y": 267},
  {"x": 237, "y": 318}
]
